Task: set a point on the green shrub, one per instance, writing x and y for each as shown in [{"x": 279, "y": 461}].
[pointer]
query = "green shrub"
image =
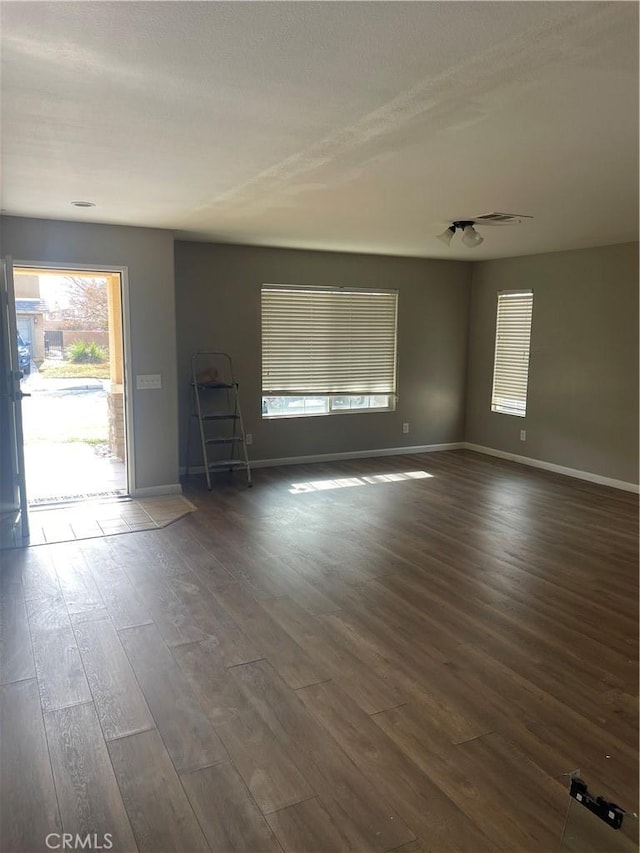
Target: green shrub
[{"x": 81, "y": 352}]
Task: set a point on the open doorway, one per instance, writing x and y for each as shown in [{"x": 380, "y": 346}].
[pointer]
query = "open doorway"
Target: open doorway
[{"x": 70, "y": 351}]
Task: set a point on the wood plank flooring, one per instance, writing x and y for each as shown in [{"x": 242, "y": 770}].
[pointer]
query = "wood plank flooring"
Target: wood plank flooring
[{"x": 350, "y": 656}]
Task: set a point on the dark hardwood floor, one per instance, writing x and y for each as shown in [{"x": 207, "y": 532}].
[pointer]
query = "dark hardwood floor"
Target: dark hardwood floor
[{"x": 338, "y": 659}]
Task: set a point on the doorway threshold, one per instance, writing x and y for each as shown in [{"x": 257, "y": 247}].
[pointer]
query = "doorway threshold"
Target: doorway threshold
[{"x": 57, "y": 500}]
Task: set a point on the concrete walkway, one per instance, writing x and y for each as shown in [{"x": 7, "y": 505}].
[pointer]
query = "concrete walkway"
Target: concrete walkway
[
  {"x": 65, "y": 424},
  {"x": 56, "y": 471}
]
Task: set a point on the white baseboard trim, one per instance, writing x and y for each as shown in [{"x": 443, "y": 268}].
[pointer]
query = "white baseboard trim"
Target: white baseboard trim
[
  {"x": 355, "y": 454},
  {"x": 336, "y": 457},
  {"x": 557, "y": 469},
  {"x": 155, "y": 491}
]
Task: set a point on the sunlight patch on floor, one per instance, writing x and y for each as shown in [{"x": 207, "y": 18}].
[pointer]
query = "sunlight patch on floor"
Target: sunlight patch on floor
[{"x": 347, "y": 482}]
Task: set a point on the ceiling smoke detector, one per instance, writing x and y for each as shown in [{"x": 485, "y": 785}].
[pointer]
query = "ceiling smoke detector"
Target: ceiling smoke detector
[{"x": 83, "y": 203}]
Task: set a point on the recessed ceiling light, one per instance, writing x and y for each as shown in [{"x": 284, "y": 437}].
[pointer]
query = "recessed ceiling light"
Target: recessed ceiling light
[{"x": 83, "y": 203}]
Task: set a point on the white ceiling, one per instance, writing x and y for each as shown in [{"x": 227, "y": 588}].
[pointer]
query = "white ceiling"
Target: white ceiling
[{"x": 362, "y": 126}]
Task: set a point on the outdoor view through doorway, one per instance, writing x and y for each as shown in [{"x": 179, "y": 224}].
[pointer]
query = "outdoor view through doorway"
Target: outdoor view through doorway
[{"x": 70, "y": 349}]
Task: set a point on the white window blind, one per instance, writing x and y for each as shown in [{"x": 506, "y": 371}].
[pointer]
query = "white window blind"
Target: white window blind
[
  {"x": 328, "y": 341},
  {"x": 511, "y": 361}
]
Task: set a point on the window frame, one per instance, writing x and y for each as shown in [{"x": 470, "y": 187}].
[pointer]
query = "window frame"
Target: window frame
[{"x": 331, "y": 408}]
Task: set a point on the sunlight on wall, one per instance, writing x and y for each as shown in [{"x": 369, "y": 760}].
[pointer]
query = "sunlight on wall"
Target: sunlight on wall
[{"x": 347, "y": 482}]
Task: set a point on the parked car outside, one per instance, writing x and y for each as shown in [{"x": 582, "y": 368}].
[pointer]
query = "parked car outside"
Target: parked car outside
[{"x": 24, "y": 355}]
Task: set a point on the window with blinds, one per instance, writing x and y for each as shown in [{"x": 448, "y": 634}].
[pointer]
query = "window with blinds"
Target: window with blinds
[
  {"x": 327, "y": 350},
  {"x": 511, "y": 360}
]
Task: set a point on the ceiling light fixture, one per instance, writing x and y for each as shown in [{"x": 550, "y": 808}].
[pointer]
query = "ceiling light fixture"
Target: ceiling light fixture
[
  {"x": 470, "y": 236},
  {"x": 447, "y": 235},
  {"x": 83, "y": 203}
]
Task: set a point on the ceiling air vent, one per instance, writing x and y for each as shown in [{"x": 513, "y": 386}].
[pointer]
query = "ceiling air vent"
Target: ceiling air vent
[{"x": 500, "y": 218}]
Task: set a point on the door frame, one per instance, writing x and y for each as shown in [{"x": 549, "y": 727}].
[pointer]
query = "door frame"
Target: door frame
[
  {"x": 53, "y": 268},
  {"x": 12, "y": 376}
]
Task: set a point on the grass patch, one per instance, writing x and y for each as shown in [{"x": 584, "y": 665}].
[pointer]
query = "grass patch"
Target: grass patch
[{"x": 67, "y": 370}]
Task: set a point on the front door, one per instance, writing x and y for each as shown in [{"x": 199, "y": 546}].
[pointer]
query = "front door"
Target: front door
[{"x": 14, "y": 521}]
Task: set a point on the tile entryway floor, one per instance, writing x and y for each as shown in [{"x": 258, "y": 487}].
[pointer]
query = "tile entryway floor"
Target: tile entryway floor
[{"x": 104, "y": 518}]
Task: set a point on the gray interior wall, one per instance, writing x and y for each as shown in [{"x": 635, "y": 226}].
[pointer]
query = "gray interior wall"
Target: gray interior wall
[
  {"x": 218, "y": 307},
  {"x": 583, "y": 391},
  {"x": 582, "y": 409},
  {"x": 148, "y": 255}
]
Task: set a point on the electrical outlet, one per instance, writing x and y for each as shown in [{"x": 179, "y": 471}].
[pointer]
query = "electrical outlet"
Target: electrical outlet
[
  {"x": 249, "y": 438},
  {"x": 523, "y": 435},
  {"x": 405, "y": 428}
]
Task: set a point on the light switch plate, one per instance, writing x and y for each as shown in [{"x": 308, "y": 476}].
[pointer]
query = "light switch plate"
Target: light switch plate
[{"x": 148, "y": 381}]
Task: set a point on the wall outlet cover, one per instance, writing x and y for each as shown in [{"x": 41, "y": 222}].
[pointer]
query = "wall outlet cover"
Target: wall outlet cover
[{"x": 148, "y": 381}]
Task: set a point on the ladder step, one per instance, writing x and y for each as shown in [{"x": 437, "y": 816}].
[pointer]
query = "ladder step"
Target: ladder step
[
  {"x": 230, "y": 463},
  {"x": 231, "y": 440},
  {"x": 217, "y": 417},
  {"x": 214, "y": 385}
]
